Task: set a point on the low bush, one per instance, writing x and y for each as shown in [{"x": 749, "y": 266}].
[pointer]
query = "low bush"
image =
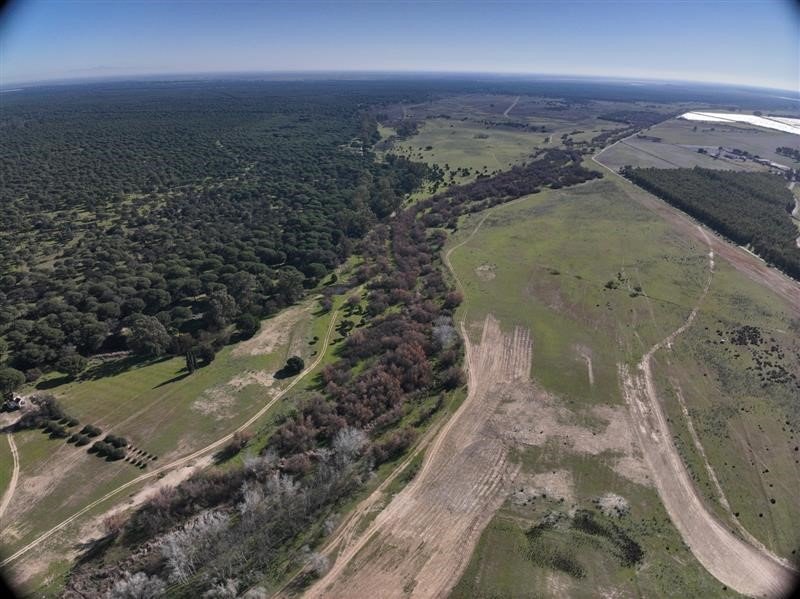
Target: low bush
[
  {"x": 56, "y": 430},
  {"x": 91, "y": 431},
  {"x": 116, "y": 441}
]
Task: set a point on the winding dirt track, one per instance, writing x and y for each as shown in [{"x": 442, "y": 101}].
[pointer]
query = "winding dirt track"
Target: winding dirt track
[
  {"x": 419, "y": 545},
  {"x": 12, "y": 485},
  {"x": 748, "y": 569},
  {"x": 180, "y": 461}
]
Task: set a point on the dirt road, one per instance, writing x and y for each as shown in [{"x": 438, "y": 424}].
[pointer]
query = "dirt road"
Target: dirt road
[
  {"x": 510, "y": 108},
  {"x": 12, "y": 485},
  {"x": 420, "y": 543},
  {"x": 181, "y": 461},
  {"x": 745, "y": 568}
]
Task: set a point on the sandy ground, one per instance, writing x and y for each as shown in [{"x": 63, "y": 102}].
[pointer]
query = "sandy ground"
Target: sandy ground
[
  {"x": 273, "y": 333},
  {"x": 485, "y": 272},
  {"x": 217, "y": 401},
  {"x": 419, "y": 545},
  {"x": 556, "y": 484},
  {"x": 586, "y": 354},
  {"x": 748, "y": 569}
]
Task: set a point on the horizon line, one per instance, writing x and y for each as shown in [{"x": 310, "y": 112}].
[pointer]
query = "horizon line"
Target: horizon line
[{"x": 172, "y": 75}]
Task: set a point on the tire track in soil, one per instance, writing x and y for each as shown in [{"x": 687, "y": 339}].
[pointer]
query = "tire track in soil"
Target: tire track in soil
[
  {"x": 419, "y": 545},
  {"x": 12, "y": 485}
]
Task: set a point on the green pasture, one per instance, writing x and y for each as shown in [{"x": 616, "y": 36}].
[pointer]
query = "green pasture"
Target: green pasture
[
  {"x": 551, "y": 256},
  {"x": 159, "y": 408},
  {"x": 543, "y": 262},
  {"x": 469, "y": 144},
  {"x": 749, "y": 428},
  {"x": 518, "y": 555}
]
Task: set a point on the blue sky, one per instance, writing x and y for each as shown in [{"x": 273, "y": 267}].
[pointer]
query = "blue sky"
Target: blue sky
[{"x": 755, "y": 42}]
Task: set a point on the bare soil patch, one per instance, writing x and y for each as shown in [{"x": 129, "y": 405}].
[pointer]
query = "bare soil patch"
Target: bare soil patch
[
  {"x": 273, "y": 333},
  {"x": 419, "y": 545},
  {"x": 486, "y": 272},
  {"x": 12, "y": 485},
  {"x": 612, "y": 504},
  {"x": 219, "y": 399},
  {"x": 555, "y": 484},
  {"x": 585, "y": 353}
]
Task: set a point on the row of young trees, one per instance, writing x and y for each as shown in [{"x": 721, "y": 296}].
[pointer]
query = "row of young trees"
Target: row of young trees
[{"x": 749, "y": 208}]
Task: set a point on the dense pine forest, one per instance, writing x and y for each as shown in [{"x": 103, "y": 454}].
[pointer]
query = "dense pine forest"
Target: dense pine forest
[
  {"x": 751, "y": 209},
  {"x": 155, "y": 217}
]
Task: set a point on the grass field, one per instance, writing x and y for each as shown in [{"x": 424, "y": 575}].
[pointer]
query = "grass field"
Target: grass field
[
  {"x": 644, "y": 153},
  {"x": 158, "y": 408},
  {"x": 469, "y": 144},
  {"x": 748, "y": 422},
  {"x": 473, "y": 132},
  {"x": 544, "y": 262},
  {"x": 536, "y": 549},
  {"x": 6, "y": 465}
]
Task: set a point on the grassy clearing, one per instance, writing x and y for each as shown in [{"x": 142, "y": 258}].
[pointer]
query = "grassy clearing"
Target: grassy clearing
[
  {"x": 467, "y": 144},
  {"x": 748, "y": 421},
  {"x": 536, "y": 549},
  {"x": 546, "y": 262},
  {"x": 159, "y": 409}
]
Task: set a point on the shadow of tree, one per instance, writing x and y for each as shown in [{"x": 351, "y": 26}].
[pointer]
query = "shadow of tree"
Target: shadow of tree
[
  {"x": 114, "y": 367},
  {"x": 94, "y": 548},
  {"x": 174, "y": 379},
  {"x": 52, "y": 383}
]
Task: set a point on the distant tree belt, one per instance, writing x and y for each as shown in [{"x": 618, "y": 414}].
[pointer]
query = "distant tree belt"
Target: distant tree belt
[
  {"x": 792, "y": 153},
  {"x": 168, "y": 211},
  {"x": 749, "y": 208},
  {"x": 552, "y": 168},
  {"x": 639, "y": 118}
]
